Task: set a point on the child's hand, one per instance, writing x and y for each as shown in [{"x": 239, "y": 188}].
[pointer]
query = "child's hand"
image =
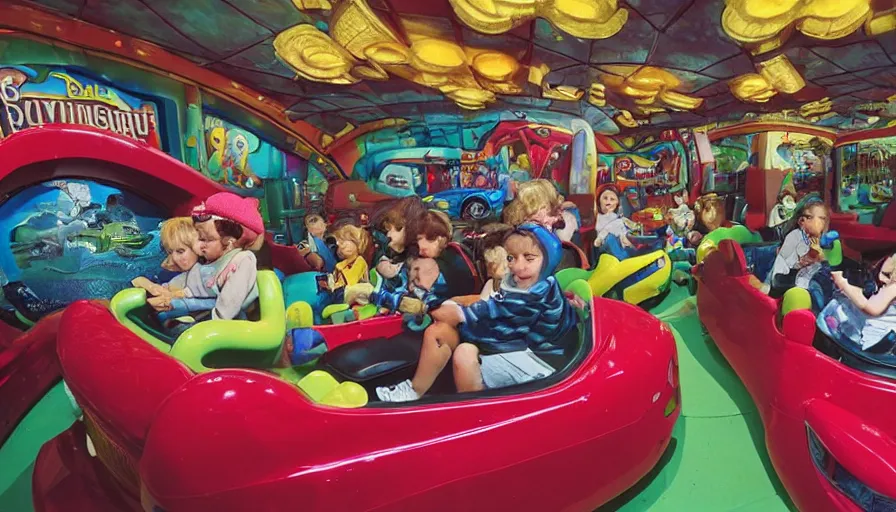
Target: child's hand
[
  {"x": 598, "y": 242},
  {"x": 626, "y": 242},
  {"x": 450, "y": 314},
  {"x": 160, "y": 303},
  {"x": 839, "y": 280}
]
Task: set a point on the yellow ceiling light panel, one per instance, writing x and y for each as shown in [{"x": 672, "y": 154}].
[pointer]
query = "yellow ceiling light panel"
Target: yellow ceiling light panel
[
  {"x": 561, "y": 92},
  {"x": 314, "y": 56},
  {"x": 312, "y": 5},
  {"x": 781, "y": 74},
  {"x": 680, "y": 101},
  {"x": 752, "y": 87},
  {"x": 881, "y": 23},
  {"x": 652, "y": 78},
  {"x": 537, "y": 73},
  {"x": 761, "y": 22},
  {"x": 370, "y": 71},
  {"x": 495, "y": 66},
  {"x": 597, "y": 95},
  {"x": 816, "y": 108},
  {"x": 387, "y": 53},
  {"x": 587, "y": 19},
  {"x": 624, "y": 118},
  {"x": 359, "y": 30},
  {"x": 649, "y": 86},
  {"x": 647, "y": 111},
  {"x": 437, "y": 56}
]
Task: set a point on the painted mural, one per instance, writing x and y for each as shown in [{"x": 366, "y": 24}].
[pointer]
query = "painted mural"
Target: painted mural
[
  {"x": 806, "y": 159},
  {"x": 868, "y": 169},
  {"x": 75, "y": 239},
  {"x": 733, "y": 156},
  {"x": 35, "y": 96},
  {"x": 237, "y": 157}
]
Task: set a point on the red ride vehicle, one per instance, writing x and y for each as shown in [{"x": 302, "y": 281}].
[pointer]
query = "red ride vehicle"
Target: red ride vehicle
[
  {"x": 238, "y": 439},
  {"x": 829, "y": 411}
]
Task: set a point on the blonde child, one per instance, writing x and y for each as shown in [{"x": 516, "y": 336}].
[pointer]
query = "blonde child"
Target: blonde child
[
  {"x": 183, "y": 294},
  {"x": 227, "y": 225},
  {"x": 536, "y": 201}
]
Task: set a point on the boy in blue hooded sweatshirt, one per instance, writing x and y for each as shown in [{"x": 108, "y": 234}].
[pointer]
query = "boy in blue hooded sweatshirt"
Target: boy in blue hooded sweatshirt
[{"x": 528, "y": 316}]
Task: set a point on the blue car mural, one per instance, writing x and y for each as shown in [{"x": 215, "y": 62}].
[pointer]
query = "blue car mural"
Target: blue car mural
[
  {"x": 439, "y": 176},
  {"x": 468, "y": 203}
]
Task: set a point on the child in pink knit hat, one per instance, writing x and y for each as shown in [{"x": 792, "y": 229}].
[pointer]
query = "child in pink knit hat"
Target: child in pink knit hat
[{"x": 228, "y": 226}]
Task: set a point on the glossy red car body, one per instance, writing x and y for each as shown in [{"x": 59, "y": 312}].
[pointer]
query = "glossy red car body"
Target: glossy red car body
[
  {"x": 795, "y": 386},
  {"x": 246, "y": 440}
]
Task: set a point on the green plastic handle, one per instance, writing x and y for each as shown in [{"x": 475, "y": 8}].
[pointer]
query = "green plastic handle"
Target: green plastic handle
[
  {"x": 259, "y": 342},
  {"x": 126, "y": 301}
]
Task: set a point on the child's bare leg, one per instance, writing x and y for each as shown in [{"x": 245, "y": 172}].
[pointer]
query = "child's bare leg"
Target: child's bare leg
[
  {"x": 439, "y": 341},
  {"x": 467, "y": 371}
]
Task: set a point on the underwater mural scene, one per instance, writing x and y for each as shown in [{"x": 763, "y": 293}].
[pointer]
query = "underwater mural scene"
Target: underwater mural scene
[{"x": 75, "y": 239}]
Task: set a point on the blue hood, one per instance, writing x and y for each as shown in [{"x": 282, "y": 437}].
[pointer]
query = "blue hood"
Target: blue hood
[{"x": 550, "y": 246}]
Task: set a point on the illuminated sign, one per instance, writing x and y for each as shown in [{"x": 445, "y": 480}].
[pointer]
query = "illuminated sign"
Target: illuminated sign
[{"x": 67, "y": 99}]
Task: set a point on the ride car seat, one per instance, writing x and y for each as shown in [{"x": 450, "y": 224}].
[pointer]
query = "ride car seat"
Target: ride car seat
[
  {"x": 385, "y": 361},
  {"x": 222, "y": 343}
]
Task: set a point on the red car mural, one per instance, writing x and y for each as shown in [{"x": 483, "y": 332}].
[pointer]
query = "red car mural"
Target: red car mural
[{"x": 829, "y": 416}]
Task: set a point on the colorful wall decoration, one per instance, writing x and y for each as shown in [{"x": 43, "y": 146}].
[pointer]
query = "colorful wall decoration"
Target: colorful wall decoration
[
  {"x": 237, "y": 157},
  {"x": 33, "y": 97},
  {"x": 867, "y": 172},
  {"x": 733, "y": 156},
  {"x": 76, "y": 239},
  {"x": 647, "y": 175}
]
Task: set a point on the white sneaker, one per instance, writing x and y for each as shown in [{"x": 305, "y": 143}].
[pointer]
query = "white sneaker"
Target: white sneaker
[{"x": 401, "y": 392}]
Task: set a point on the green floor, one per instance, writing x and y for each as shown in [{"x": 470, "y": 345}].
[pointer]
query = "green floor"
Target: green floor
[
  {"x": 52, "y": 414},
  {"x": 718, "y": 462}
]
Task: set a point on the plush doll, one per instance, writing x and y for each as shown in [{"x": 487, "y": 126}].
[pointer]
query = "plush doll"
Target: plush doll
[{"x": 710, "y": 213}]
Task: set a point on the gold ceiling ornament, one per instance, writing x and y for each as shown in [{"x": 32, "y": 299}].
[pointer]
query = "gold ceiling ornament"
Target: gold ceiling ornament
[
  {"x": 775, "y": 75},
  {"x": 881, "y": 23},
  {"x": 561, "y": 92},
  {"x": 765, "y": 24},
  {"x": 781, "y": 74},
  {"x": 314, "y": 55},
  {"x": 650, "y": 87},
  {"x": 597, "y": 95},
  {"x": 312, "y": 5},
  {"x": 624, "y": 118},
  {"x": 815, "y": 109},
  {"x": 752, "y": 87},
  {"x": 587, "y": 19},
  {"x": 537, "y": 73},
  {"x": 362, "y": 47}
]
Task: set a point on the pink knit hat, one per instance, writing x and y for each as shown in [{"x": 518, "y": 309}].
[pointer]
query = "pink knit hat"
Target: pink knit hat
[{"x": 242, "y": 210}]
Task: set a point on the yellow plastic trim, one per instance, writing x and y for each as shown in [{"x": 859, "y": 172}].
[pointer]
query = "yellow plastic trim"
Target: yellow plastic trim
[{"x": 794, "y": 299}]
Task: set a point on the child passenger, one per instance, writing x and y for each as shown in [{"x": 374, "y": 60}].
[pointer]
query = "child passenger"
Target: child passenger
[
  {"x": 800, "y": 259},
  {"x": 611, "y": 227},
  {"x": 227, "y": 225},
  {"x": 181, "y": 242},
  {"x": 865, "y": 321},
  {"x": 315, "y": 249},
  {"x": 528, "y": 317}
]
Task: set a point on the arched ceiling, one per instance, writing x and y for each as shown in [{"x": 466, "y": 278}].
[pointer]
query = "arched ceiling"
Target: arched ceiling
[{"x": 624, "y": 65}]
